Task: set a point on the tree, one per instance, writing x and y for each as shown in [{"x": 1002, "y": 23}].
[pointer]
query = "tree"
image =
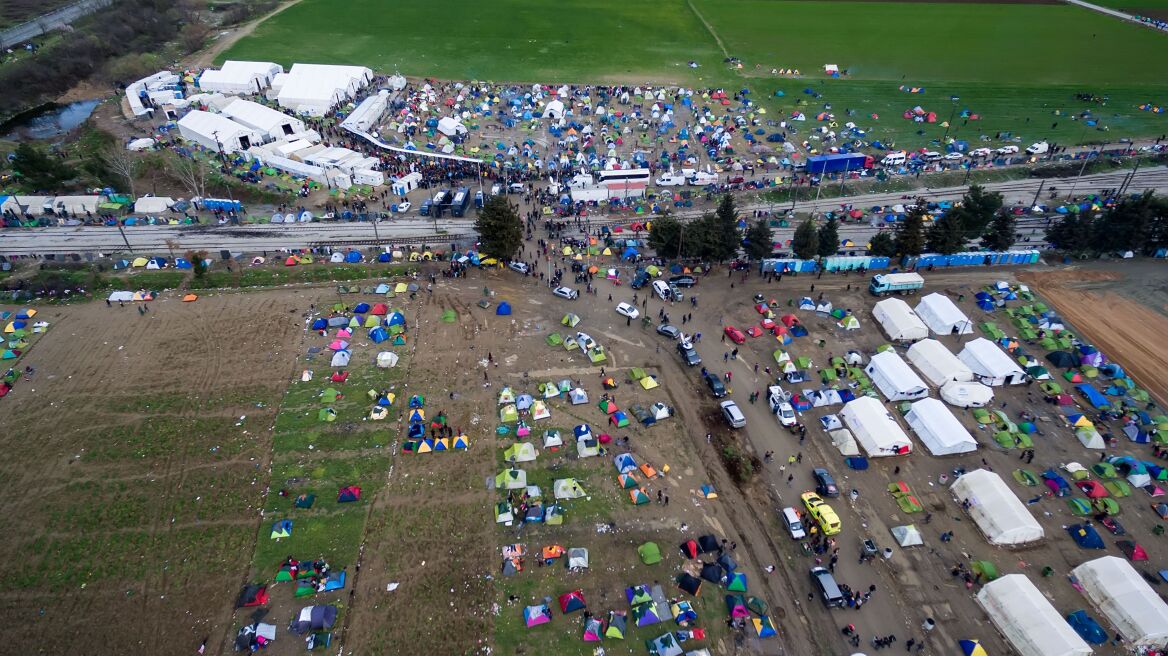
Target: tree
[
  {"x": 123, "y": 164},
  {"x": 1128, "y": 225},
  {"x": 198, "y": 260},
  {"x": 726, "y": 238},
  {"x": 1074, "y": 233},
  {"x": 828, "y": 237},
  {"x": 978, "y": 208},
  {"x": 665, "y": 237},
  {"x": 806, "y": 240},
  {"x": 910, "y": 233},
  {"x": 760, "y": 240},
  {"x": 191, "y": 173},
  {"x": 882, "y": 245},
  {"x": 946, "y": 235},
  {"x": 1001, "y": 232},
  {"x": 39, "y": 170},
  {"x": 500, "y": 228}
]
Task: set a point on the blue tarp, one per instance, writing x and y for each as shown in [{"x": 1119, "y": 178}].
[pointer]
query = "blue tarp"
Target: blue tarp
[
  {"x": 1085, "y": 536},
  {"x": 1093, "y": 396}
]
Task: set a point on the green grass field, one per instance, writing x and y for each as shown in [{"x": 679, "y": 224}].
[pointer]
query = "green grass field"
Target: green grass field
[{"x": 1014, "y": 65}]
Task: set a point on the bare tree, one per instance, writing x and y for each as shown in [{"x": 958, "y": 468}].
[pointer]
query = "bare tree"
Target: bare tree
[
  {"x": 124, "y": 164},
  {"x": 191, "y": 173}
]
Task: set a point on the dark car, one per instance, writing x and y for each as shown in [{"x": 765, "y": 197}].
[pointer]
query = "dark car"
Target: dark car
[
  {"x": 668, "y": 330},
  {"x": 824, "y": 483},
  {"x": 640, "y": 280},
  {"x": 715, "y": 385},
  {"x": 683, "y": 281},
  {"x": 689, "y": 354}
]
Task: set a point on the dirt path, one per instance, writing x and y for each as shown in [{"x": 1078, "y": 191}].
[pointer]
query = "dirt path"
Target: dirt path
[
  {"x": 1127, "y": 331},
  {"x": 227, "y": 38}
]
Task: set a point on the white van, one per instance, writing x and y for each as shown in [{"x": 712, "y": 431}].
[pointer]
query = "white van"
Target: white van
[
  {"x": 894, "y": 159},
  {"x": 661, "y": 288},
  {"x": 1039, "y": 148},
  {"x": 671, "y": 179},
  {"x": 703, "y": 178},
  {"x": 793, "y": 523}
]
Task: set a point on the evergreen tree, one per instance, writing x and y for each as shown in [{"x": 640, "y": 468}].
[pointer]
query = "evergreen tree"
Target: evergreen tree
[
  {"x": 828, "y": 237},
  {"x": 728, "y": 239},
  {"x": 946, "y": 235},
  {"x": 910, "y": 233},
  {"x": 665, "y": 237},
  {"x": 1128, "y": 225},
  {"x": 1075, "y": 233},
  {"x": 40, "y": 171},
  {"x": 882, "y": 245},
  {"x": 500, "y": 228},
  {"x": 978, "y": 208},
  {"x": 760, "y": 240},
  {"x": 806, "y": 240},
  {"x": 1001, "y": 232}
]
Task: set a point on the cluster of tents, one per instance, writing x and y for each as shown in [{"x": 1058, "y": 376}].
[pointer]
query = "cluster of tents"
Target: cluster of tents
[
  {"x": 580, "y": 342},
  {"x": 356, "y": 257},
  {"x": 440, "y": 439},
  {"x": 18, "y": 328}
]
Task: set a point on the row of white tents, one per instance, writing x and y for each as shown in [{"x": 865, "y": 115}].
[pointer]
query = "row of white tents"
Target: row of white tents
[
  {"x": 935, "y": 312},
  {"x": 979, "y": 366},
  {"x": 877, "y": 432},
  {"x": 1035, "y": 628}
]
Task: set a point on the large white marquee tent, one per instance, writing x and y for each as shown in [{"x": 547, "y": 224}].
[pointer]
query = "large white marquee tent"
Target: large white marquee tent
[
  {"x": 893, "y": 377},
  {"x": 990, "y": 364},
  {"x": 995, "y": 509},
  {"x": 1126, "y": 599},
  {"x": 942, "y": 315},
  {"x": 937, "y": 363},
  {"x": 940, "y": 431},
  {"x": 1026, "y": 618},
  {"x": 899, "y": 321},
  {"x": 314, "y": 89},
  {"x": 874, "y": 429},
  {"x": 236, "y": 77}
]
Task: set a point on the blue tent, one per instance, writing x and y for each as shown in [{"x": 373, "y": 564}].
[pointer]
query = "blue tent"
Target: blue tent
[
  {"x": 182, "y": 263},
  {"x": 1085, "y": 536},
  {"x": 1087, "y": 628},
  {"x": 384, "y": 257},
  {"x": 629, "y": 253},
  {"x": 361, "y": 308},
  {"x": 395, "y": 319},
  {"x": 320, "y": 324},
  {"x": 378, "y": 335},
  {"x": 353, "y": 257},
  {"x": 504, "y": 309},
  {"x": 1093, "y": 396},
  {"x": 160, "y": 261}
]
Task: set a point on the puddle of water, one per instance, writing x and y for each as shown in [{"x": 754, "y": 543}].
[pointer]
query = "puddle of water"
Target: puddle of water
[{"x": 48, "y": 121}]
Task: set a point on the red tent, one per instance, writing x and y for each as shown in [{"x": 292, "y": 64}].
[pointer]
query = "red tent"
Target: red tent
[
  {"x": 572, "y": 601},
  {"x": 790, "y": 320},
  {"x": 350, "y": 493}
]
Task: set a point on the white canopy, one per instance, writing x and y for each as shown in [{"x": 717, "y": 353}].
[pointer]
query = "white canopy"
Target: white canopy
[
  {"x": 314, "y": 89},
  {"x": 842, "y": 439},
  {"x": 895, "y": 380},
  {"x": 874, "y": 428},
  {"x": 899, "y": 321},
  {"x": 907, "y": 536},
  {"x": 1027, "y": 619},
  {"x": 997, "y": 511},
  {"x": 240, "y": 77},
  {"x": 272, "y": 123},
  {"x": 942, "y": 316},
  {"x": 1127, "y": 601},
  {"x": 967, "y": 395},
  {"x": 937, "y": 363},
  {"x": 152, "y": 204},
  {"x": 940, "y": 432},
  {"x": 215, "y": 132},
  {"x": 387, "y": 359},
  {"x": 990, "y": 364}
]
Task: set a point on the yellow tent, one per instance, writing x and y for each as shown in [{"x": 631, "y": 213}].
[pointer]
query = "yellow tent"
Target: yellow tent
[
  {"x": 606, "y": 251},
  {"x": 1083, "y": 422},
  {"x": 567, "y": 250},
  {"x": 490, "y": 261},
  {"x": 400, "y": 288},
  {"x": 648, "y": 382},
  {"x": 140, "y": 262}
]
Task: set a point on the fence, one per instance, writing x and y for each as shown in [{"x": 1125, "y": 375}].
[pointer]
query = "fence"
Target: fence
[{"x": 50, "y": 21}]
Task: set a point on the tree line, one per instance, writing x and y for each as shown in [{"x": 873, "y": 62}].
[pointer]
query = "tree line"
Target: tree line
[{"x": 1138, "y": 224}]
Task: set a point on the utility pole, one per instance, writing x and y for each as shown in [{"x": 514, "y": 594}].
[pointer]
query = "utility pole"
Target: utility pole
[
  {"x": 126, "y": 239},
  {"x": 1086, "y": 158},
  {"x": 949, "y": 123},
  {"x": 1038, "y": 193}
]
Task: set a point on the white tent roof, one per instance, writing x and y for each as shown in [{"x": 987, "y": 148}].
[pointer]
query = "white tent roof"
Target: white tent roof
[
  {"x": 875, "y": 430},
  {"x": 940, "y": 432},
  {"x": 387, "y": 359},
  {"x": 152, "y": 204},
  {"x": 907, "y": 536},
  {"x": 1126, "y": 599},
  {"x": 988, "y": 362},
  {"x": 1027, "y": 619},
  {"x": 942, "y": 316},
  {"x": 898, "y": 320},
  {"x": 894, "y": 378},
  {"x": 214, "y": 130},
  {"x": 260, "y": 117},
  {"x": 996, "y": 510},
  {"x": 240, "y": 77},
  {"x": 966, "y": 395},
  {"x": 842, "y": 439},
  {"x": 316, "y": 88},
  {"x": 937, "y": 363}
]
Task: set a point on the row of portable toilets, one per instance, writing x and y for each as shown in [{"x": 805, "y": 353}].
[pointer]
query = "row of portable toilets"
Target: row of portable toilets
[{"x": 870, "y": 263}]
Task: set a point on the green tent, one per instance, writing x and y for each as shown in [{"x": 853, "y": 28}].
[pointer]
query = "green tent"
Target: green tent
[
  {"x": 330, "y": 395},
  {"x": 596, "y": 355},
  {"x": 570, "y": 320},
  {"x": 327, "y": 414},
  {"x": 650, "y": 553},
  {"x": 636, "y": 373},
  {"x": 737, "y": 582},
  {"x": 554, "y": 339},
  {"x": 449, "y": 316},
  {"x": 988, "y": 570}
]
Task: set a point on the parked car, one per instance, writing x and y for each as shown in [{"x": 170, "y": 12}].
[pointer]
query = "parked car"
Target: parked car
[
  {"x": 954, "y": 157},
  {"x": 734, "y": 334},
  {"x": 715, "y": 385},
  {"x": 566, "y": 292},
  {"x": 829, "y": 591},
  {"x": 824, "y": 483},
  {"x": 689, "y": 354},
  {"x": 793, "y": 523},
  {"x": 823, "y": 514},
  {"x": 585, "y": 341},
  {"x": 520, "y": 267},
  {"x": 668, "y": 330},
  {"x": 786, "y": 414},
  {"x": 733, "y": 414},
  {"x": 981, "y": 152},
  {"x": 627, "y": 310},
  {"x": 1007, "y": 150},
  {"x": 683, "y": 281}
]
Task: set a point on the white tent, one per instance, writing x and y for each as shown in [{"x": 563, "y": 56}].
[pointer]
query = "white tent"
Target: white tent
[
  {"x": 314, "y": 89},
  {"x": 240, "y": 77},
  {"x": 577, "y": 558},
  {"x": 937, "y": 363},
  {"x": 842, "y": 439},
  {"x": 387, "y": 359},
  {"x": 967, "y": 395},
  {"x": 899, "y": 321},
  {"x": 552, "y": 439},
  {"x": 451, "y": 126},
  {"x": 895, "y": 380},
  {"x": 217, "y": 133},
  {"x": 554, "y": 109},
  {"x": 940, "y": 432},
  {"x": 942, "y": 316},
  {"x": 997, "y": 511},
  {"x": 263, "y": 119},
  {"x": 907, "y": 536},
  {"x": 1027, "y": 619},
  {"x": 152, "y": 204},
  {"x": 341, "y": 359},
  {"x": 1090, "y": 438},
  {"x": 578, "y": 396},
  {"x": 990, "y": 364},
  {"x": 1127, "y": 601},
  {"x": 874, "y": 428}
]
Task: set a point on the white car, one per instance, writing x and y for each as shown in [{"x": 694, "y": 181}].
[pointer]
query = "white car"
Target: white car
[
  {"x": 953, "y": 157},
  {"x": 1007, "y": 150},
  {"x": 403, "y": 207},
  {"x": 520, "y": 267},
  {"x": 981, "y": 152},
  {"x": 585, "y": 341},
  {"x": 786, "y": 414},
  {"x": 566, "y": 292},
  {"x": 627, "y": 310}
]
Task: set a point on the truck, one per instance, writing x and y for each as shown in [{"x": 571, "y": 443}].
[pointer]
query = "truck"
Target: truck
[
  {"x": 459, "y": 202},
  {"x": 895, "y": 283},
  {"x": 840, "y": 162}
]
